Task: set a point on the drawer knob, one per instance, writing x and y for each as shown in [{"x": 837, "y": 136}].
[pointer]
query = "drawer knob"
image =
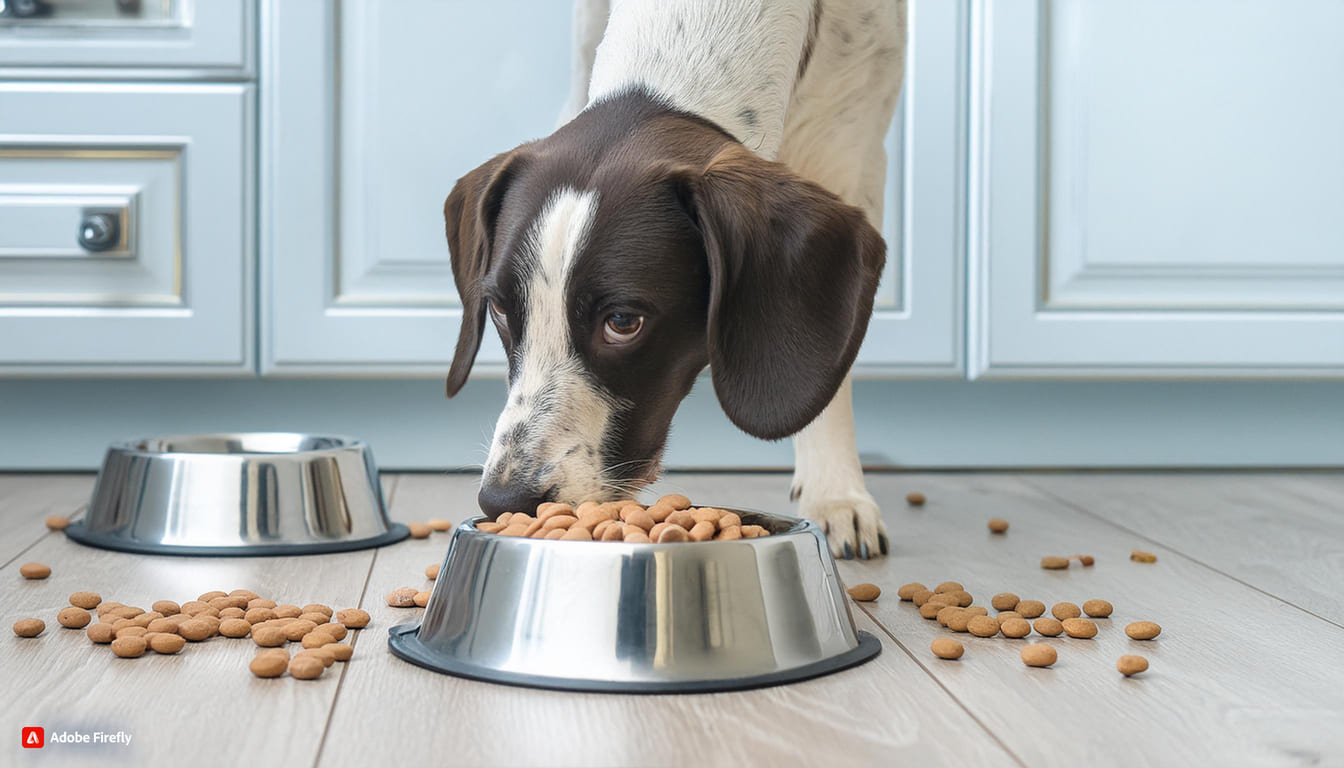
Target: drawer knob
[{"x": 99, "y": 231}]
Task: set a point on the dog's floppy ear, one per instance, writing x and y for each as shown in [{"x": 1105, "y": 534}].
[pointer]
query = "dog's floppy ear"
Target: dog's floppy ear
[
  {"x": 469, "y": 216},
  {"x": 793, "y": 271}
]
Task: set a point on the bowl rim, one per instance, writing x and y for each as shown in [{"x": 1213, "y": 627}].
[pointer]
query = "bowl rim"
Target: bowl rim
[
  {"x": 135, "y": 446},
  {"x": 798, "y": 525}
]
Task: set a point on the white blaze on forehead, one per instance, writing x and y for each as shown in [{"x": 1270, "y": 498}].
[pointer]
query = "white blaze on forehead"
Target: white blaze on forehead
[{"x": 551, "y": 432}]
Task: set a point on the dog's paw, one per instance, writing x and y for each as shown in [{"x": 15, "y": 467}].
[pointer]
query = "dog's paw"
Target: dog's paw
[{"x": 852, "y": 522}]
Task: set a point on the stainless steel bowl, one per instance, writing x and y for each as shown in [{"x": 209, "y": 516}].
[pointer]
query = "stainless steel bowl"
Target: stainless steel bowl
[
  {"x": 259, "y": 493},
  {"x": 638, "y": 618}
]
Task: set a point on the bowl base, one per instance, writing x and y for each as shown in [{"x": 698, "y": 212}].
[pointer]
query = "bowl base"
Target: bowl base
[
  {"x": 405, "y": 643},
  {"x": 76, "y": 531}
]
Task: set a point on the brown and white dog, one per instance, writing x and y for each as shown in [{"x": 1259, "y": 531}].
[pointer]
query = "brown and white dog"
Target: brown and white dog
[{"x": 712, "y": 201}]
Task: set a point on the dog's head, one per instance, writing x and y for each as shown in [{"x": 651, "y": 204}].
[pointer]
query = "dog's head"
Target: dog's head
[{"x": 619, "y": 256}]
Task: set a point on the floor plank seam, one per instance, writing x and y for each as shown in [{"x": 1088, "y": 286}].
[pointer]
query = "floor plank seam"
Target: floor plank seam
[
  {"x": 1081, "y": 510},
  {"x": 73, "y": 516},
  {"x": 944, "y": 688},
  {"x": 354, "y": 641}
]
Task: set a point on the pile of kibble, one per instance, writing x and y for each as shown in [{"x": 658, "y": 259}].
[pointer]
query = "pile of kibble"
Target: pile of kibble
[
  {"x": 670, "y": 519},
  {"x": 167, "y": 627}
]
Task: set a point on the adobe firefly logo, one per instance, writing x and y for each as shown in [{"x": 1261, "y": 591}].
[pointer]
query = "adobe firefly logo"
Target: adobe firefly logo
[{"x": 34, "y": 737}]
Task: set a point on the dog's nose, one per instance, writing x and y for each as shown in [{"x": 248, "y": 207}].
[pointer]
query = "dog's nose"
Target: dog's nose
[{"x": 495, "y": 500}]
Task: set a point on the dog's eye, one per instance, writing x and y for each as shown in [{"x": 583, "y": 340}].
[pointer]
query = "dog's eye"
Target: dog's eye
[{"x": 621, "y": 328}]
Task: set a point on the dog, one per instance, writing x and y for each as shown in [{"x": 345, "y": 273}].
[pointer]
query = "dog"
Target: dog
[{"x": 711, "y": 199}]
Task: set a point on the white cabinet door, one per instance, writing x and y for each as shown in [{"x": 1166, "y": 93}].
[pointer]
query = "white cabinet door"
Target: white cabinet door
[
  {"x": 1158, "y": 188},
  {"x": 125, "y": 229},
  {"x": 355, "y": 168}
]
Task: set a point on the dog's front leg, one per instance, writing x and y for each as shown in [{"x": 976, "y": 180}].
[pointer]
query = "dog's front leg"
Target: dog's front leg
[{"x": 828, "y": 482}]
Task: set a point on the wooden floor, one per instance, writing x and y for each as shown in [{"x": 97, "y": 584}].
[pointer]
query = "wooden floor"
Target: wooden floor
[{"x": 1249, "y": 669}]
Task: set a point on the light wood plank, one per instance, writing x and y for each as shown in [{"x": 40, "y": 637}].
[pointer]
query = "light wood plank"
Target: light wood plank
[
  {"x": 1280, "y": 533},
  {"x": 1237, "y": 677},
  {"x": 392, "y": 713},
  {"x": 27, "y": 500},
  {"x": 172, "y": 705}
]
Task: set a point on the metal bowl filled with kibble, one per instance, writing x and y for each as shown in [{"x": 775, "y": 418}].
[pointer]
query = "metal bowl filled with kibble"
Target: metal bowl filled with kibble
[{"x": 668, "y": 598}]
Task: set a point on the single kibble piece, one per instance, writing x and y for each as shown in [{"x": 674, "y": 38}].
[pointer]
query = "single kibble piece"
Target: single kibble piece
[
  {"x": 485, "y": 526},
  {"x": 211, "y": 595},
  {"x": 233, "y": 613},
  {"x": 402, "y": 598},
  {"x": 979, "y": 610},
  {"x": 864, "y": 593},
  {"x": 675, "y": 501},
  {"x": 101, "y": 633},
  {"x": 419, "y": 530},
  {"x": 268, "y": 637},
  {"x": 946, "y": 613},
  {"x": 907, "y": 591},
  {"x": 306, "y": 667},
  {"x": 353, "y": 618},
  {"x": 341, "y": 651},
  {"x": 163, "y": 625},
  {"x": 335, "y": 629},
  {"x": 193, "y": 607},
  {"x": 328, "y": 658},
  {"x": 948, "y": 586},
  {"x": 675, "y": 534},
  {"x": 318, "y": 608},
  {"x": 1080, "y": 628},
  {"x": 1030, "y": 609},
  {"x": 421, "y": 598},
  {"x": 258, "y": 615},
  {"x": 915, "y": 499},
  {"x": 269, "y": 665},
  {"x": 1086, "y": 560},
  {"x": 439, "y": 524},
  {"x": 296, "y": 629},
  {"x": 74, "y": 618},
  {"x": 287, "y": 611},
  {"x": 1143, "y": 630},
  {"x": 963, "y": 598},
  {"x": 129, "y": 647},
  {"x": 195, "y": 629},
  {"x": 930, "y": 610},
  {"x": 944, "y": 598},
  {"x": 131, "y": 631},
  {"x": 1004, "y": 601},
  {"x": 1097, "y": 609},
  {"x": 246, "y": 594},
  {"x": 166, "y": 643},
  {"x": 946, "y": 648},
  {"x": 575, "y": 533},
  {"x": 1131, "y": 665},
  {"x": 260, "y": 603},
  {"x": 317, "y": 639},
  {"x": 921, "y": 597},
  {"x": 317, "y": 617},
  {"x": 235, "y": 628},
  {"x": 1006, "y": 615},
  {"x": 1048, "y": 626},
  {"x": 227, "y": 602},
  {"x": 983, "y": 626},
  {"x": 701, "y": 531},
  {"x": 1054, "y": 563},
  {"x": 998, "y": 525},
  {"x": 1064, "y": 611},
  {"x": 57, "y": 522},
  {"x": 1039, "y": 655},
  {"x": 29, "y": 627},
  {"x": 86, "y": 600},
  {"x": 432, "y": 571},
  {"x": 1014, "y": 628},
  {"x": 35, "y": 570},
  {"x": 145, "y": 619},
  {"x": 960, "y": 619},
  {"x": 1139, "y": 556}
]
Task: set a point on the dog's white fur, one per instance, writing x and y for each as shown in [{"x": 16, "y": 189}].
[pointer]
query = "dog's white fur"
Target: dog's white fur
[
  {"x": 552, "y": 398},
  {"x": 736, "y": 63}
]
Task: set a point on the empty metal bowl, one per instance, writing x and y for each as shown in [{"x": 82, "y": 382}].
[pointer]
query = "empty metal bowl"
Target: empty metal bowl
[
  {"x": 638, "y": 618},
  {"x": 259, "y": 493}
]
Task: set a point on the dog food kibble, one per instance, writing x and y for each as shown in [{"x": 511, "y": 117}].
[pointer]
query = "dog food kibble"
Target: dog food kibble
[
  {"x": 1080, "y": 628},
  {"x": 235, "y": 628},
  {"x": 402, "y": 598},
  {"x": 1097, "y": 609},
  {"x": 1064, "y": 611},
  {"x": 321, "y": 653},
  {"x": 268, "y": 637},
  {"x": 1006, "y": 615},
  {"x": 166, "y": 643},
  {"x": 676, "y": 501},
  {"x": 930, "y": 610},
  {"x": 334, "y": 628},
  {"x": 946, "y": 614},
  {"x": 1139, "y": 556},
  {"x": 86, "y": 600},
  {"x": 944, "y": 598},
  {"x": 1131, "y": 665},
  {"x": 998, "y": 525},
  {"x": 131, "y": 631},
  {"x": 1143, "y": 630},
  {"x": 317, "y": 639},
  {"x": 1014, "y": 628},
  {"x": 269, "y": 664},
  {"x": 671, "y": 519},
  {"x": 419, "y": 530},
  {"x": 29, "y": 627},
  {"x": 907, "y": 591},
  {"x": 959, "y": 619},
  {"x": 864, "y": 593},
  {"x": 915, "y": 499},
  {"x": 35, "y": 570},
  {"x": 980, "y": 610},
  {"x": 1030, "y": 609},
  {"x": 57, "y": 522},
  {"x": 1086, "y": 560},
  {"x": 340, "y": 651},
  {"x": 166, "y": 607},
  {"x": 946, "y": 648},
  {"x": 100, "y": 632},
  {"x": 195, "y": 629},
  {"x": 287, "y": 611},
  {"x": 296, "y": 629},
  {"x": 439, "y": 524},
  {"x": 1004, "y": 601},
  {"x": 1054, "y": 563},
  {"x": 318, "y": 608},
  {"x": 921, "y": 597},
  {"x": 1048, "y": 626},
  {"x": 432, "y": 571},
  {"x": 353, "y": 618},
  {"x": 306, "y": 667},
  {"x": 74, "y": 618},
  {"x": 948, "y": 586},
  {"x": 129, "y": 647},
  {"x": 1039, "y": 655},
  {"x": 983, "y": 626},
  {"x": 421, "y": 598}
]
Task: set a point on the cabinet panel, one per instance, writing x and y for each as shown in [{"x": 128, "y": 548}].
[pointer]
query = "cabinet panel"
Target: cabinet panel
[
  {"x": 1149, "y": 207},
  {"x": 356, "y": 275},
  {"x": 125, "y": 237}
]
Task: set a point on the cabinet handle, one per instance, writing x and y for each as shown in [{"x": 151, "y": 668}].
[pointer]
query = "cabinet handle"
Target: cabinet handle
[{"x": 99, "y": 231}]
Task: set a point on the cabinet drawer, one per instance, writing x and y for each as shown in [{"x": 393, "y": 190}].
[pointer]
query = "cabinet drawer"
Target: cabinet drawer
[
  {"x": 125, "y": 228},
  {"x": 207, "y": 34}
]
